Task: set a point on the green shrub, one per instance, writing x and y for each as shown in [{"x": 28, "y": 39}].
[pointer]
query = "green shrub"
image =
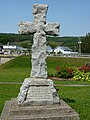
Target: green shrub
[
  {"x": 81, "y": 75},
  {"x": 63, "y": 72},
  {"x": 85, "y": 68}
]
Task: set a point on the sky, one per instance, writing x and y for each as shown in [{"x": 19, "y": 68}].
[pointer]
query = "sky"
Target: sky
[{"x": 73, "y": 15}]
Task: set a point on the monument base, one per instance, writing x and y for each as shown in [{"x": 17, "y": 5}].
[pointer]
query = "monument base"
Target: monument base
[
  {"x": 37, "y": 91},
  {"x": 12, "y": 111}
]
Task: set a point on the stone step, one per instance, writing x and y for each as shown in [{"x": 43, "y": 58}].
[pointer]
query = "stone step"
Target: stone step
[
  {"x": 5, "y": 111},
  {"x": 49, "y": 117},
  {"x": 43, "y": 110},
  {"x": 63, "y": 111}
]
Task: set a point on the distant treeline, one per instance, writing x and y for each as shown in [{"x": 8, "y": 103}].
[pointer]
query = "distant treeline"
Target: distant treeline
[{"x": 69, "y": 41}]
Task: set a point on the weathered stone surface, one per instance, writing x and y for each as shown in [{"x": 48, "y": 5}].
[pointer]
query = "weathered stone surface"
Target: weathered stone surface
[
  {"x": 39, "y": 28},
  {"x": 45, "y": 91},
  {"x": 61, "y": 111},
  {"x": 26, "y": 28},
  {"x": 39, "y": 68},
  {"x": 40, "y": 9},
  {"x": 39, "y": 45},
  {"x": 40, "y": 93},
  {"x": 37, "y": 92},
  {"x": 52, "y": 28},
  {"x": 40, "y": 12}
]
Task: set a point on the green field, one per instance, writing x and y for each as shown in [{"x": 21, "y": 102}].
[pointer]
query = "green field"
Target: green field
[
  {"x": 71, "y": 82},
  {"x": 19, "y": 68},
  {"x": 78, "y": 98},
  {"x": 7, "y": 92}
]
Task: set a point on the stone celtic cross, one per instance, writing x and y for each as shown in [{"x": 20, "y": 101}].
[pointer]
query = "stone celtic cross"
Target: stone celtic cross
[{"x": 40, "y": 29}]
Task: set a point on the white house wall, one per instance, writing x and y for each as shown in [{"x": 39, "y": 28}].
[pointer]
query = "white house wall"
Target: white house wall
[{"x": 9, "y": 47}]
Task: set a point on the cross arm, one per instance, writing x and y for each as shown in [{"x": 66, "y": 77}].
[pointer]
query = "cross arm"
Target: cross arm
[
  {"x": 52, "y": 29},
  {"x": 26, "y": 28}
]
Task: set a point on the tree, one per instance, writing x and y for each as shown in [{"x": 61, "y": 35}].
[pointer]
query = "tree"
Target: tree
[{"x": 86, "y": 43}]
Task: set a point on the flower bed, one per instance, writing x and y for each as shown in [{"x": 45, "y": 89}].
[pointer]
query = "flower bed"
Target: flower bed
[{"x": 82, "y": 73}]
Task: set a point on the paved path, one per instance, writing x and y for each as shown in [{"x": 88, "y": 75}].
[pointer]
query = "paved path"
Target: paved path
[
  {"x": 4, "y": 60},
  {"x": 54, "y": 85},
  {"x": 10, "y": 83},
  {"x": 78, "y": 85}
]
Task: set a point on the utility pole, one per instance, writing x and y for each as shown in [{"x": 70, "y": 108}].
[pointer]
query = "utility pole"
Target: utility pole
[{"x": 79, "y": 42}]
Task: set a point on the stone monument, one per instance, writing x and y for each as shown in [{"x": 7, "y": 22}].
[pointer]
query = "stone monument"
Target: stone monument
[
  {"x": 38, "y": 99},
  {"x": 38, "y": 89}
]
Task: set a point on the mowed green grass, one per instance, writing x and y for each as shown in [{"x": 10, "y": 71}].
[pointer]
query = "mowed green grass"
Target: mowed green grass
[
  {"x": 7, "y": 92},
  {"x": 14, "y": 75},
  {"x": 71, "y": 82},
  {"x": 78, "y": 98},
  {"x": 15, "y": 70},
  {"x": 19, "y": 68}
]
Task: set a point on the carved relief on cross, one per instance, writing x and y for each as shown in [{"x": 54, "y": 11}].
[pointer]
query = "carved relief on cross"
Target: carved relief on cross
[{"x": 40, "y": 29}]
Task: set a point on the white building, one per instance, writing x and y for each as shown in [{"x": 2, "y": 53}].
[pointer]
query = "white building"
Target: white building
[
  {"x": 49, "y": 49},
  {"x": 64, "y": 50},
  {"x": 9, "y": 47}
]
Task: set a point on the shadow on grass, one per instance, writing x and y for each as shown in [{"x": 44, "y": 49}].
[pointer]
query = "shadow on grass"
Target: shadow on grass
[{"x": 69, "y": 100}]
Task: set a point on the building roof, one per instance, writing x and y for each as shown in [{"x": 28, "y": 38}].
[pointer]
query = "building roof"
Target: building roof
[
  {"x": 49, "y": 48},
  {"x": 62, "y": 48}
]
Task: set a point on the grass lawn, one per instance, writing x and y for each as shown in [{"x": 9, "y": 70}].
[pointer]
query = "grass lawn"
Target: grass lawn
[
  {"x": 13, "y": 75},
  {"x": 7, "y": 92},
  {"x": 71, "y": 82},
  {"x": 19, "y": 68},
  {"x": 78, "y": 98},
  {"x": 52, "y": 62}
]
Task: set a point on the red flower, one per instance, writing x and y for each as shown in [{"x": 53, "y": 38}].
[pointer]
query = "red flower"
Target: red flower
[
  {"x": 80, "y": 68},
  {"x": 58, "y": 69},
  {"x": 70, "y": 70},
  {"x": 84, "y": 67}
]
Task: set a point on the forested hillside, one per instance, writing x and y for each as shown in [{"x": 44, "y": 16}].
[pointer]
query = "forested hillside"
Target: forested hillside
[
  {"x": 86, "y": 43},
  {"x": 26, "y": 41},
  {"x": 71, "y": 42}
]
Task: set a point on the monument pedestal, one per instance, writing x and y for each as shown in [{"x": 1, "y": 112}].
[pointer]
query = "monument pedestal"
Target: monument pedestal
[
  {"x": 12, "y": 111},
  {"x": 37, "y": 91}
]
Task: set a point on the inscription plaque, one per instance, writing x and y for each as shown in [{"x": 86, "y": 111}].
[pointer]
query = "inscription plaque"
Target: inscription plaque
[{"x": 40, "y": 93}]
